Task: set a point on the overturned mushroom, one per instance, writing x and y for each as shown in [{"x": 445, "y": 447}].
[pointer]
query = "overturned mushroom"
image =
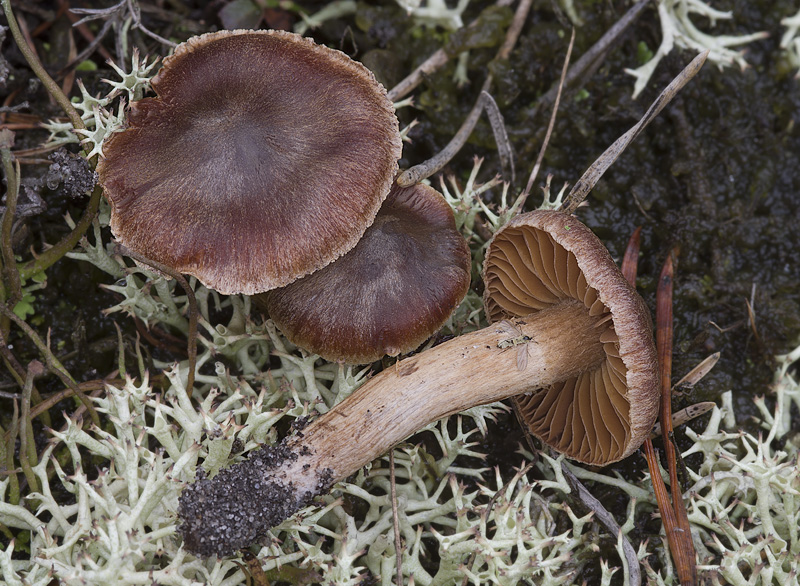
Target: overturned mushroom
[
  {"x": 390, "y": 293},
  {"x": 256, "y": 139},
  {"x": 560, "y": 342},
  {"x": 542, "y": 260}
]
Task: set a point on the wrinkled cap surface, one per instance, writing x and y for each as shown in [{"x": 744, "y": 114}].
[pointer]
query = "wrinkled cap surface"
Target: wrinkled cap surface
[
  {"x": 263, "y": 158},
  {"x": 544, "y": 258},
  {"x": 387, "y": 295}
]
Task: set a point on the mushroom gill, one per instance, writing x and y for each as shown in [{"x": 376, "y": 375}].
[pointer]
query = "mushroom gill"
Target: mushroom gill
[{"x": 588, "y": 416}]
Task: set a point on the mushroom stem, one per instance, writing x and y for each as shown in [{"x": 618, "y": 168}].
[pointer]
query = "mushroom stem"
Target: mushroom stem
[{"x": 474, "y": 369}]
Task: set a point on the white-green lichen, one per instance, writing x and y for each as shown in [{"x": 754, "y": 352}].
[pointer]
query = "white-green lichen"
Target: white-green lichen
[
  {"x": 104, "y": 115},
  {"x": 436, "y": 12},
  {"x": 790, "y": 41},
  {"x": 679, "y": 30}
]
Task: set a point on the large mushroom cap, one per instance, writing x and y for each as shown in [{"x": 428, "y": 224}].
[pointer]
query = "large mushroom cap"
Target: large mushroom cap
[
  {"x": 264, "y": 157},
  {"x": 387, "y": 295},
  {"x": 545, "y": 258}
]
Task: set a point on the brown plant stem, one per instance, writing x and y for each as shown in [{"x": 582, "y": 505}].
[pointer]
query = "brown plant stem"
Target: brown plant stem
[
  {"x": 27, "y": 446},
  {"x": 55, "y": 253},
  {"x": 53, "y": 364},
  {"x": 631, "y": 257},
  {"x": 674, "y": 518},
  {"x": 419, "y": 172},
  {"x": 12, "y": 287},
  {"x": 596, "y": 170},
  {"x": 680, "y": 542},
  {"x": 50, "y": 85}
]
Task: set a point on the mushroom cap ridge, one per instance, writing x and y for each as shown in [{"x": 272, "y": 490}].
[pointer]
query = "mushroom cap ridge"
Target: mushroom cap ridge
[
  {"x": 263, "y": 158},
  {"x": 390, "y": 293},
  {"x": 573, "y": 263}
]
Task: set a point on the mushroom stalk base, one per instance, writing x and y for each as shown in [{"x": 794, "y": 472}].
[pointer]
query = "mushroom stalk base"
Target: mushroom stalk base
[{"x": 242, "y": 502}]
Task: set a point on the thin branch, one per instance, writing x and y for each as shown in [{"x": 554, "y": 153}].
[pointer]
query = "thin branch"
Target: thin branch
[
  {"x": 526, "y": 192},
  {"x": 27, "y": 446},
  {"x": 593, "y": 174},
  {"x": 398, "y": 549},
  {"x": 52, "y": 87},
  {"x": 500, "y": 137},
  {"x": 12, "y": 284},
  {"x": 681, "y": 545},
  {"x": 595, "y": 53},
  {"x": 419, "y": 172},
  {"x": 607, "y": 520},
  {"x": 430, "y": 65},
  {"x": 53, "y": 364},
  {"x": 55, "y": 253}
]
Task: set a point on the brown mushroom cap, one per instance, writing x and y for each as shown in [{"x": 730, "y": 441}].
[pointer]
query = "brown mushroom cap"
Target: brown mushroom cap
[
  {"x": 264, "y": 157},
  {"x": 387, "y": 295},
  {"x": 545, "y": 258}
]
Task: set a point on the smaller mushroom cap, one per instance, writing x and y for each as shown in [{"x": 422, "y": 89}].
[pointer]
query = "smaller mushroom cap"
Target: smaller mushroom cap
[
  {"x": 544, "y": 258},
  {"x": 390, "y": 293},
  {"x": 264, "y": 157}
]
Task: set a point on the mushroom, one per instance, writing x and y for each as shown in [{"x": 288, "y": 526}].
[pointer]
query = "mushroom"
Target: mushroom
[
  {"x": 263, "y": 158},
  {"x": 579, "y": 308},
  {"x": 546, "y": 259},
  {"x": 390, "y": 293}
]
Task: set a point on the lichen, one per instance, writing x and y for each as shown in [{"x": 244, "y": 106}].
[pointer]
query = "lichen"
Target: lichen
[
  {"x": 790, "y": 41},
  {"x": 679, "y": 30}
]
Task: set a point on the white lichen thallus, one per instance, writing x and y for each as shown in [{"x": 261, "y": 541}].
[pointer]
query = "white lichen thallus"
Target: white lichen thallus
[{"x": 520, "y": 340}]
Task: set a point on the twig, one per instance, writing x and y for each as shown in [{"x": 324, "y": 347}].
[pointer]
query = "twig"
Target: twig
[
  {"x": 681, "y": 544},
  {"x": 51, "y": 86},
  {"x": 55, "y": 253},
  {"x": 513, "y": 32},
  {"x": 8, "y": 463},
  {"x": 588, "y": 59},
  {"x": 407, "y": 85},
  {"x": 607, "y": 520},
  {"x": 192, "y": 342},
  {"x": 14, "y": 367},
  {"x": 696, "y": 374},
  {"x": 685, "y": 415},
  {"x": 53, "y": 364},
  {"x": 675, "y": 521},
  {"x": 500, "y": 137},
  {"x": 593, "y": 174},
  {"x": 535, "y": 171},
  {"x": 12, "y": 285},
  {"x": 419, "y": 172},
  {"x": 431, "y": 64},
  {"x": 90, "y": 48},
  {"x": 27, "y": 446},
  {"x": 398, "y": 549},
  {"x": 434, "y": 164}
]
